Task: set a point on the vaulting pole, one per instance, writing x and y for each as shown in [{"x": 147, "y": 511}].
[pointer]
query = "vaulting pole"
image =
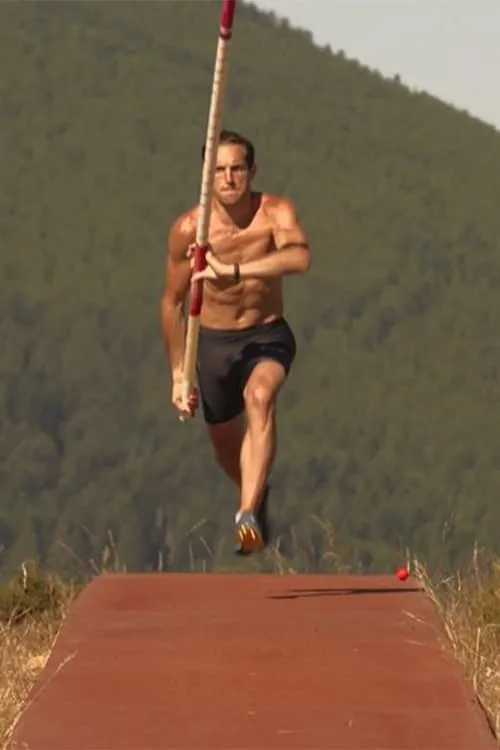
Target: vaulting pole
[{"x": 209, "y": 162}]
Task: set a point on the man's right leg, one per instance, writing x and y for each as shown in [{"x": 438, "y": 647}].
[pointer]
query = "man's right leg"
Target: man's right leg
[
  {"x": 222, "y": 404},
  {"x": 227, "y": 439}
]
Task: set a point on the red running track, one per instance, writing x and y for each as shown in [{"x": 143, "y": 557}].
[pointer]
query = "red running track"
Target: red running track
[{"x": 260, "y": 662}]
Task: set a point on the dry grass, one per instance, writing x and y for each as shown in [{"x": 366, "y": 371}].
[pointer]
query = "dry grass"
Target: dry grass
[
  {"x": 32, "y": 608},
  {"x": 24, "y": 649},
  {"x": 302, "y": 556},
  {"x": 469, "y": 608}
]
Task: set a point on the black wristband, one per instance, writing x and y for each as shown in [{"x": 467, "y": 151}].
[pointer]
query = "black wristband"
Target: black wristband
[{"x": 236, "y": 271}]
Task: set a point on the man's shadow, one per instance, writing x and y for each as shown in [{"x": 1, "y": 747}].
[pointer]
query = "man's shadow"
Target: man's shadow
[{"x": 309, "y": 593}]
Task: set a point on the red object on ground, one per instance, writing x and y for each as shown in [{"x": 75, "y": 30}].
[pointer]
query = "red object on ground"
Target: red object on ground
[
  {"x": 225, "y": 662},
  {"x": 402, "y": 573}
]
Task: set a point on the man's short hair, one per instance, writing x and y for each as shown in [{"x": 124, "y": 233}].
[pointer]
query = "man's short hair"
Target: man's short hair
[{"x": 231, "y": 136}]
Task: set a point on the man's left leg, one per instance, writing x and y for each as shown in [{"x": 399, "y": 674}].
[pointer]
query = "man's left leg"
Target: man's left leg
[
  {"x": 227, "y": 440},
  {"x": 258, "y": 449}
]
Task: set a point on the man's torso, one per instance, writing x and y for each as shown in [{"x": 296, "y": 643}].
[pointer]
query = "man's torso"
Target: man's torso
[{"x": 234, "y": 305}]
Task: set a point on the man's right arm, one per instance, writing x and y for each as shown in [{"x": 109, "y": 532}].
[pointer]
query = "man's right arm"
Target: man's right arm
[{"x": 177, "y": 282}]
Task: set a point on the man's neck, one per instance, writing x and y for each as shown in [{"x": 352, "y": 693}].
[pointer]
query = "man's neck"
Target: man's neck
[{"x": 239, "y": 215}]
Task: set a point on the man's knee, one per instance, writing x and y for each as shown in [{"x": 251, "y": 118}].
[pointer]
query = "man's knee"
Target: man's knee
[
  {"x": 263, "y": 386},
  {"x": 259, "y": 395}
]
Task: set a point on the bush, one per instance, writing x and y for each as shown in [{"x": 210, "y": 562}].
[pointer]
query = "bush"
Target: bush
[{"x": 32, "y": 593}]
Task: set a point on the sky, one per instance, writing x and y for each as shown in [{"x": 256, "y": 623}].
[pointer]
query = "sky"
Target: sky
[{"x": 448, "y": 48}]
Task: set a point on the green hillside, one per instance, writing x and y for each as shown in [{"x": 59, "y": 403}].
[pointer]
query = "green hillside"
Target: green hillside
[{"x": 388, "y": 425}]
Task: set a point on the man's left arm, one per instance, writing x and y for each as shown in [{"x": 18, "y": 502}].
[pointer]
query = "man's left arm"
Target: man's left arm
[
  {"x": 292, "y": 248},
  {"x": 292, "y": 254}
]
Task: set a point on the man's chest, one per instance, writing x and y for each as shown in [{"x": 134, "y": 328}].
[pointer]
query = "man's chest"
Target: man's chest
[{"x": 241, "y": 245}]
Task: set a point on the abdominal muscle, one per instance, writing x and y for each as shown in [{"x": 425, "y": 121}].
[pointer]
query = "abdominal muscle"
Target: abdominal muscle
[
  {"x": 241, "y": 305},
  {"x": 236, "y": 305}
]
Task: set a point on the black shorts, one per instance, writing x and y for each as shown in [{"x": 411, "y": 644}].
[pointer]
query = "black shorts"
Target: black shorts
[{"x": 226, "y": 359}]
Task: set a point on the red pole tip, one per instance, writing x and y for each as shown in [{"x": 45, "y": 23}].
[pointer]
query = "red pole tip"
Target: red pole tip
[{"x": 227, "y": 15}]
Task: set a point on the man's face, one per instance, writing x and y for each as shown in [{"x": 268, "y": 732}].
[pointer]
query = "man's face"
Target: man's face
[{"x": 232, "y": 176}]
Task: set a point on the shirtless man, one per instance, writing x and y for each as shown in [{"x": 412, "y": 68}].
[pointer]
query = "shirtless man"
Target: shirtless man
[{"x": 246, "y": 347}]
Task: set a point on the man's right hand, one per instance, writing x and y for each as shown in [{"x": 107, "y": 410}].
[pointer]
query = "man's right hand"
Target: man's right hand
[{"x": 185, "y": 410}]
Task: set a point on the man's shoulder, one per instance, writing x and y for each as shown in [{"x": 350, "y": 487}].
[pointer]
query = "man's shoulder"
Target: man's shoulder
[
  {"x": 277, "y": 205},
  {"x": 185, "y": 223}
]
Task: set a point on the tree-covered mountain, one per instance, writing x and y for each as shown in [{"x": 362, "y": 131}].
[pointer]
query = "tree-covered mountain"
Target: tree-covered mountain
[{"x": 388, "y": 425}]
